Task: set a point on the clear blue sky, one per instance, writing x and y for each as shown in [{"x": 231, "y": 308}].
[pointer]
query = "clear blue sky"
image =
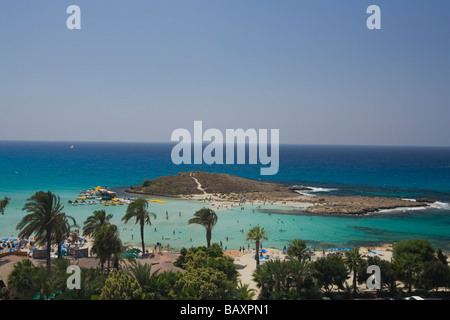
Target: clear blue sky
[{"x": 137, "y": 70}]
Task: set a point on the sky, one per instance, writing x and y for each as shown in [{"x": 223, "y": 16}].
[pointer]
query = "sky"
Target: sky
[{"x": 137, "y": 70}]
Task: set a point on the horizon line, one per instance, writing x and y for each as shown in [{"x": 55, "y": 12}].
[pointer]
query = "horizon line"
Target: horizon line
[{"x": 281, "y": 144}]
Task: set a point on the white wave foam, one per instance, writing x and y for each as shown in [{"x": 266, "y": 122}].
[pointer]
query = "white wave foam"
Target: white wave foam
[
  {"x": 440, "y": 205},
  {"x": 435, "y": 205},
  {"x": 314, "y": 190},
  {"x": 402, "y": 209}
]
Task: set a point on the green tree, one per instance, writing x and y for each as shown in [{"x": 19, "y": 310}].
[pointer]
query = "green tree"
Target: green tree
[
  {"x": 329, "y": 272},
  {"x": 257, "y": 234},
  {"x": 297, "y": 249},
  {"x": 204, "y": 283},
  {"x": 207, "y": 218},
  {"x": 279, "y": 272},
  {"x": 45, "y": 214},
  {"x": 93, "y": 223},
  {"x": 421, "y": 249},
  {"x": 155, "y": 285},
  {"x": 441, "y": 257},
  {"x": 388, "y": 276},
  {"x": 138, "y": 210},
  {"x": 208, "y": 275},
  {"x": 92, "y": 281},
  {"x": 45, "y": 284},
  {"x": 244, "y": 292},
  {"x": 208, "y": 257},
  {"x": 161, "y": 285},
  {"x": 3, "y": 204},
  {"x": 407, "y": 265},
  {"x": 107, "y": 244},
  {"x": 436, "y": 274},
  {"x": 27, "y": 281},
  {"x": 353, "y": 260},
  {"x": 263, "y": 281},
  {"x": 143, "y": 275},
  {"x": 409, "y": 257},
  {"x": 20, "y": 280},
  {"x": 121, "y": 286},
  {"x": 302, "y": 280}
]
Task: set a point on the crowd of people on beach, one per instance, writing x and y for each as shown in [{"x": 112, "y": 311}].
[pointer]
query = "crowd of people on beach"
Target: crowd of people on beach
[{"x": 28, "y": 245}]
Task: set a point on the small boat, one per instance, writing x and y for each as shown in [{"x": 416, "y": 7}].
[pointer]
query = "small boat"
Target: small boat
[{"x": 105, "y": 203}]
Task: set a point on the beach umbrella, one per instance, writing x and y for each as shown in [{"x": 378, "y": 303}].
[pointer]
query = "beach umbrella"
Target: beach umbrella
[
  {"x": 5, "y": 239},
  {"x": 263, "y": 257},
  {"x": 263, "y": 250},
  {"x": 330, "y": 249},
  {"x": 338, "y": 249},
  {"x": 347, "y": 249},
  {"x": 128, "y": 255}
]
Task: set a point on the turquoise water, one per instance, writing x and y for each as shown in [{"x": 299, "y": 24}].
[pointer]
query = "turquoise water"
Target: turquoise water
[{"x": 26, "y": 167}]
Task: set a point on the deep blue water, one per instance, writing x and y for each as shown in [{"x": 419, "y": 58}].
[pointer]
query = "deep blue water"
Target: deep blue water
[
  {"x": 407, "y": 172},
  {"x": 396, "y": 171}
]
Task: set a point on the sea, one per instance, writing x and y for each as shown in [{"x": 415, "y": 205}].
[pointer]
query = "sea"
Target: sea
[{"x": 65, "y": 168}]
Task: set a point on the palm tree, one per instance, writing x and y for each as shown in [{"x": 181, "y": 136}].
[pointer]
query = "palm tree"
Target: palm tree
[
  {"x": 257, "y": 234},
  {"x": 63, "y": 230},
  {"x": 244, "y": 292},
  {"x": 279, "y": 272},
  {"x": 145, "y": 277},
  {"x": 95, "y": 222},
  {"x": 45, "y": 214},
  {"x": 20, "y": 280},
  {"x": 208, "y": 219},
  {"x": 138, "y": 209},
  {"x": 300, "y": 273},
  {"x": 297, "y": 249},
  {"x": 107, "y": 244},
  {"x": 3, "y": 204},
  {"x": 353, "y": 259},
  {"x": 264, "y": 282}
]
